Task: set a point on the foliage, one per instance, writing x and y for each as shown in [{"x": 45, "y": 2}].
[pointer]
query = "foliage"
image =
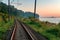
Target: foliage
[
  {"x": 49, "y": 30},
  {"x": 4, "y": 27},
  {"x": 53, "y": 31}
]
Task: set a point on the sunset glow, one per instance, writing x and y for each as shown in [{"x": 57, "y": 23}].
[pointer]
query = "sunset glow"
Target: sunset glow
[{"x": 45, "y": 8}]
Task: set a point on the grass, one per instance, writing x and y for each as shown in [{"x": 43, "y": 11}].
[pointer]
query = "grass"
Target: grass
[
  {"x": 49, "y": 30},
  {"x": 4, "y": 27}
]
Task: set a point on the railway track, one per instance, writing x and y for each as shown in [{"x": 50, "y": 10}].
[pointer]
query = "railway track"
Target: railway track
[{"x": 24, "y": 32}]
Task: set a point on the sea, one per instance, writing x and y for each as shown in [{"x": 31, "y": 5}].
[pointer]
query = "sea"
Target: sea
[{"x": 51, "y": 20}]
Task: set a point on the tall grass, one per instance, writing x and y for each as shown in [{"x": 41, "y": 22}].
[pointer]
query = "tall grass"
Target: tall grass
[
  {"x": 49, "y": 30},
  {"x": 4, "y": 27}
]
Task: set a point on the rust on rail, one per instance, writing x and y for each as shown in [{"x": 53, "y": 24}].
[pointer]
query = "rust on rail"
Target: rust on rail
[{"x": 13, "y": 33}]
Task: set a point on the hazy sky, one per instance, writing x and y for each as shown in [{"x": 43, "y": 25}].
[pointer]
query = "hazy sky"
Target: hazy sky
[{"x": 44, "y": 7}]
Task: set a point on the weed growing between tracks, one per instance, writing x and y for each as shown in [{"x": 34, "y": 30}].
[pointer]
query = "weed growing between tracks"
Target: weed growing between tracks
[{"x": 49, "y": 30}]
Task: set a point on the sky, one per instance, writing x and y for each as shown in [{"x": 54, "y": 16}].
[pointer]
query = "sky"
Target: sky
[{"x": 45, "y": 8}]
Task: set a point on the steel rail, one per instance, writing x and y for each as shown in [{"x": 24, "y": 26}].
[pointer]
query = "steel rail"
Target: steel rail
[{"x": 26, "y": 29}]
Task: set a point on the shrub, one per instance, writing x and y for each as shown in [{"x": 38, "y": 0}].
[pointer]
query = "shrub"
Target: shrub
[
  {"x": 35, "y": 23},
  {"x": 53, "y": 31}
]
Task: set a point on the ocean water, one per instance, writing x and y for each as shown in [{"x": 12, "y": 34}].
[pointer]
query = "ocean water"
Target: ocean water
[{"x": 52, "y": 20}]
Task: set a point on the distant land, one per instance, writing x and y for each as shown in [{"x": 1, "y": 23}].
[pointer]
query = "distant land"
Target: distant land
[{"x": 50, "y": 17}]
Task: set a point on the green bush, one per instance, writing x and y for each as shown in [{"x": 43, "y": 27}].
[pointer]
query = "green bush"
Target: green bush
[
  {"x": 34, "y": 23},
  {"x": 49, "y": 30},
  {"x": 4, "y": 27},
  {"x": 53, "y": 31}
]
